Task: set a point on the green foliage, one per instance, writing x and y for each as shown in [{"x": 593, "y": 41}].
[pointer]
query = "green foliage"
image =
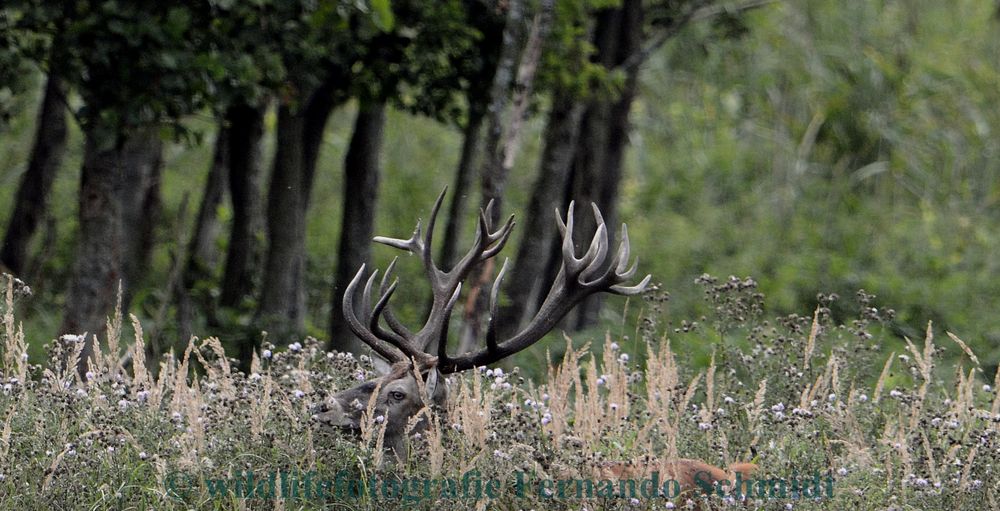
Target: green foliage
[
  {"x": 827, "y": 150},
  {"x": 15, "y": 71}
]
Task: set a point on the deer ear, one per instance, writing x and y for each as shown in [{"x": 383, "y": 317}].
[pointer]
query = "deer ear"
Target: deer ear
[
  {"x": 381, "y": 365},
  {"x": 431, "y": 382}
]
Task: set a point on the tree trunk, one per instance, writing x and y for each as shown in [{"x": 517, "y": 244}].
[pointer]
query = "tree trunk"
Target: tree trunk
[
  {"x": 597, "y": 168},
  {"x": 282, "y": 298},
  {"x": 361, "y": 177},
  {"x": 97, "y": 270},
  {"x": 245, "y": 128},
  {"x": 202, "y": 251},
  {"x": 317, "y": 113},
  {"x": 493, "y": 174},
  {"x": 471, "y": 145},
  {"x": 141, "y": 165},
  {"x": 202, "y": 254},
  {"x": 528, "y": 280},
  {"x": 506, "y": 120},
  {"x": 33, "y": 192}
]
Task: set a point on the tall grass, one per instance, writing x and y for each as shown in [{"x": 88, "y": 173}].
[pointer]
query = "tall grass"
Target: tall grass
[{"x": 808, "y": 396}]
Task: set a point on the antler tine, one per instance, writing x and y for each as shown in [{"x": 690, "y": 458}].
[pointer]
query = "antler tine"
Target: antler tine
[
  {"x": 443, "y": 338},
  {"x": 413, "y": 244},
  {"x": 598, "y": 251},
  {"x": 617, "y": 272},
  {"x": 572, "y": 265},
  {"x": 559, "y": 219},
  {"x": 496, "y": 241},
  {"x": 491, "y": 331},
  {"x": 624, "y": 250},
  {"x": 366, "y": 296},
  {"x": 421, "y": 243},
  {"x": 429, "y": 236},
  {"x": 365, "y": 334},
  {"x": 373, "y": 322},
  {"x": 390, "y": 317},
  {"x": 630, "y": 290},
  {"x": 486, "y": 245}
]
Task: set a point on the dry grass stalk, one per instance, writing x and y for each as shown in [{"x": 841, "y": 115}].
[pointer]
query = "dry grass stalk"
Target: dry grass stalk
[
  {"x": 883, "y": 376},
  {"x": 180, "y": 378},
  {"x": 962, "y": 404},
  {"x": 112, "y": 359},
  {"x": 15, "y": 349},
  {"x": 755, "y": 410},
  {"x": 616, "y": 381},
  {"x": 379, "y": 450},
  {"x": 929, "y": 453},
  {"x": 5, "y": 434},
  {"x": 219, "y": 371},
  {"x": 925, "y": 362},
  {"x": 435, "y": 447},
  {"x": 662, "y": 384},
  {"x": 686, "y": 400},
  {"x": 561, "y": 381},
  {"x": 368, "y": 419},
  {"x": 589, "y": 409},
  {"x": 141, "y": 378},
  {"x": 963, "y": 482},
  {"x": 168, "y": 368},
  {"x": 811, "y": 340},
  {"x": 472, "y": 412},
  {"x": 260, "y": 408},
  {"x": 966, "y": 349},
  {"x": 194, "y": 434},
  {"x": 995, "y": 407},
  {"x": 708, "y": 409}
]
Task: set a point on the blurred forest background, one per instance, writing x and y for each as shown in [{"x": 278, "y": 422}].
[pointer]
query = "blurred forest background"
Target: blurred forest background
[{"x": 229, "y": 161}]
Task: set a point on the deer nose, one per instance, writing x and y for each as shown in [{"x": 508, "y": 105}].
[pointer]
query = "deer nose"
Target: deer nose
[
  {"x": 331, "y": 414},
  {"x": 320, "y": 413}
]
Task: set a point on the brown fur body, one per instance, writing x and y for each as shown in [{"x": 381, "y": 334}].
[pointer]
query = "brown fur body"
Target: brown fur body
[{"x": 687, "y": 473}]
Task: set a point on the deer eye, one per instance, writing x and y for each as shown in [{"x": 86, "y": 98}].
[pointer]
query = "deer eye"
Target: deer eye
[{"x": 397, "y": 395}]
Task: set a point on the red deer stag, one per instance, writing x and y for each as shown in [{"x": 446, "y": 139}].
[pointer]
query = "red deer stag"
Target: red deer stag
[{"x": 399, "y": 396}]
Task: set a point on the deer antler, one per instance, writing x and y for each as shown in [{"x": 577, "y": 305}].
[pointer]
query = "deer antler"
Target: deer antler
[
  {"x": 577, "y": 279},
  {"x": 445, "y": 286}
]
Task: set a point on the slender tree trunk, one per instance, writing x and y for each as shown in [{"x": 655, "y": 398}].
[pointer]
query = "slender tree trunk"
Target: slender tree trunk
[
  {"x": 202, "y": 252},
  {"x": 361, "y": 177},
  {"x": 471, "y": 144},
  {"x": 33, "y": 192},
  {"x": 141, "y": 167},
  {"x": 528, "y": 281},
  {"x": 98, "y": 269},
  {"x": 493, "y": 174},
  {"x": 245, "y": 128},
  {"x": 506, "y": 120}
]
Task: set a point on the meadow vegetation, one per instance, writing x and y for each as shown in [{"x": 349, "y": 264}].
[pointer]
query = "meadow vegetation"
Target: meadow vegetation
[{"x": 803, "y": 395}]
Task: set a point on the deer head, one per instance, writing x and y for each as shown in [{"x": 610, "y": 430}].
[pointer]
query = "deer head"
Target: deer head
[{"x": 400, "y": 394}]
